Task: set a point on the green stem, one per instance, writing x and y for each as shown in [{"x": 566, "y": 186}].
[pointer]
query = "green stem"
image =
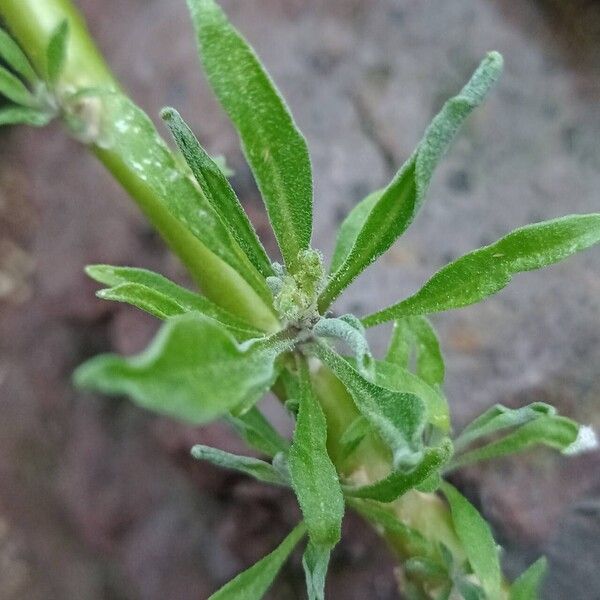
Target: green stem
[{"x": 32, "y": 22}]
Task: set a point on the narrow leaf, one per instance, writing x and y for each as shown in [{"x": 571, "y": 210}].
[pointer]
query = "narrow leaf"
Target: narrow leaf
[
  {"x": 552, "y": 431},
  {"x": 253, "y": 583},
  {"x": 417, "y": 335},
  {"x": 56, "y": 52},
  {"x": 21, "y": 115},
  {"x": 193, "y": 370},
  {"x": 15, "y": 58},
  {"x": 399, "y": 418},
  {"x": 219, "y": 192},
  {"x": 400, "y": 202},
  {"x": 146, "y": 154},
  {"x": 315, "y": 562},
  {"x": 314, "y": 477},
  {"x": 275, "y": 149},
  {"x": 477, "y": 540},
  {"x": 500, "y": 417},
  {"x": 394, "y": 377},
  {"x": 527, "y": 585},
  {"x": 259, "y": 469},
  {"x": 350, "y": 228},
  {"x": 160, "y": 297},
  {"x": 399, "y": 482},
  {"x": 14, "y": 89},
  {"x": 258, "y": 433},
  {"x": 486, "y": 271},
  {"x": 354, "y": 434}
]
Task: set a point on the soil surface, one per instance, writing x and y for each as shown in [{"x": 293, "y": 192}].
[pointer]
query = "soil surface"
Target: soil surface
[{"x": 100, "y": 500}]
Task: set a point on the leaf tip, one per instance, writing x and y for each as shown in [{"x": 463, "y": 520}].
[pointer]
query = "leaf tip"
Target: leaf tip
[{"x": 586, "y": 441}]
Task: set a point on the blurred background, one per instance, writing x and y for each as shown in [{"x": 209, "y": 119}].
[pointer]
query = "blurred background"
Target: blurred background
[{"x": 99, "y": 500}]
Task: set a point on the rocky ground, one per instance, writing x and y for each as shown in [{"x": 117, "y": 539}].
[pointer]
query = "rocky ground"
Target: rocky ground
[{"x": 99, "y": 500}]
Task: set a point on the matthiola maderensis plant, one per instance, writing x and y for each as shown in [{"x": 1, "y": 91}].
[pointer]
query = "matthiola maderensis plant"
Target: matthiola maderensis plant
[{"x": 371, "y": 434}]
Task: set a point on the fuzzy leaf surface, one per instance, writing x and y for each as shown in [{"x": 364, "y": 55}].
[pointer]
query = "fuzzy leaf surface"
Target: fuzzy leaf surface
[
  {"x": 219, "y": 192},
  {"x": 398, "y": 482},
  {"x": 161, "y": 297},
  {"x": 254, "y": 467},
  {"x": 145, "y": 153},
  {"x": 486, "y": 271},
  {"x": 400, "y": 201},
  {"x": 11, "y": 53},
  {"x": 552, "y": 431},
  {"x": 527, "y": 585},
  {"x": 258, "y": 433},
  {"x": 416, "y": 336},
  {"x": 398, "y": 417},
  {"x": 253, "y": 583},
  {"x": 477, "y": 540},
  {"x": 193, "y": 370},
  {"x": 275, "y": 149},
  {"x": 315, "y": 562}
]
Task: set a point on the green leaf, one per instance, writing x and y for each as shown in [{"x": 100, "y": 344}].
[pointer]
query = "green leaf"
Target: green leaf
[
  {"x": 258, "y": 433},
  {"x": 399, "y": 203},
  {"x": 399, "y": 482},
  {"x": 219, "y": 192},
  {"x": 259, "y": 469},
  {"x": 253, "y": 583},
  {"x": 417, "y": 335},
  {"x": 193, "y": 370},
  {"x": 553, "y": 431},
  {"x": 394, "y": 377},
  {"x": 398, "y": 417},
  {"x": 316, "y": 484},
  {"x": 21, "y": 115},
  {"x": 477, "y": 540},
  {"x": 14, "y": 89},
  {"x": 144, "y": 152},
  {"x": 56, "y": 52},
  {"x": 527, "y": 585},
  {"x": 500, "y": 417},
  {"x": 160, "y": 297},
  {"x": 15, "y": 58},
  {"x": 315, "y": 563},
  {"x": 354, "y": 434},
  {"x": 275, "y": 149},
  {"x": 486, "y": 271},
  {"x": 350, "y": 228}
]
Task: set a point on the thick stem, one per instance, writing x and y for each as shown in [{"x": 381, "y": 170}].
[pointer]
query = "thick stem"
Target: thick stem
[{"x": 32, "y": 22}]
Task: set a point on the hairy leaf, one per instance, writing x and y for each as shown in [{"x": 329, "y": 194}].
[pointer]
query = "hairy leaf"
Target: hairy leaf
[
  {"x": 57, "y": 51},
  {"x": 353, "y": 436},
  {"x": 193, "y": 370},
  {"x": 500, "y": 417},
  {"x": 398, "y": 204},
  {"x": 219, "y": 192},
  {"x": 259, "y": 469},
  {"x": 253, "y": 583},
  {"x": 14, "y": 89},
  {"x": 398, "y": 417},
  {"x": 160, "y": 297},
  {"x": 275, "y": 149},
  {"x": 316, "y": 484},
  {"x": 527, "y": 585},
  {"x": 15, "y": 58},
  {"x": 21, "y": 115},
  {"x": 553, "y": 431},
  {"x": 350, "y": 228},
  {"x": 258, "y": 433},
  {"x": 477, "y": 540},
  {"x": 486, "y": 271},
  {"x": 399, "y": 482},
  {"x": 417, "y": 335},
  {"x": 145, "y": 153}
]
